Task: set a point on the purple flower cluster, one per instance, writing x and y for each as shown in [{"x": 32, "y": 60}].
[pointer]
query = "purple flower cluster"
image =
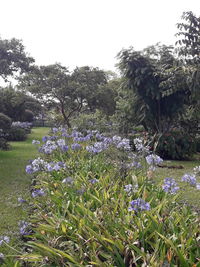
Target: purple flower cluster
[
  {"x": 153, "y": 160},
  {"x": 170, "y": 186},
  {"x": 97, "y": 147},
  {"x": 140, "y": 146},
  {"x": 4, "y": 239},
  {"x": 23, "y": 125},
  {"x": 38, "y": 193},
  {"x": 35, "y": 166},
  {"x": 23, "y": 228},
  {"x": 48, "y": 147},
  {"x": 121, "y": 143},
  {"x": 139, "y": 205},
  {"x": 41, "y": 165},
  {"x": 76, "y": 146},
  {"x": 93, "y": 181},
  {"x": 189, "y": 178}
]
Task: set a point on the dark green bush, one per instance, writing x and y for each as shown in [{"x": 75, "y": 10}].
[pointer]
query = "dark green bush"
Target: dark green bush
[
  {"x": 28, "y": 116},
  {"x": 176, "y": 145},
  {"x": 197, "y": 140},
  {"x": 5, "y": 122},
  {"x": 17, "y": 134},
  {"x": 3, "y": 144}
]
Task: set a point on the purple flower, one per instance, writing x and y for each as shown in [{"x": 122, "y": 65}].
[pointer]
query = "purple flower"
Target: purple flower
[
  {"x": 139, "y": 205},
  {"x": 153, "y": 160},
  {"x": 93, "y": 181},
  {"x": 38, "y": 193},
  {"x": 23, "y": 228},
  {"x": 21, "y": 200},
  {"x": 170, "y": 186},
  {"x": 45, "y": 138},
  {"x": 55, "y": 130},
  {"x": 64, "y": 148},
  {"x": 76, "y": 146},
  {"x": 29, "y": 169},
  {"x": 128, "y": 188},
  {"x": 191, "y": 179}
]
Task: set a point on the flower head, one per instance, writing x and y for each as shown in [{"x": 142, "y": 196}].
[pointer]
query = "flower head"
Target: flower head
[
  {"x": 170, "y": 186},
  {"x": 139, "y": 205},
  {"x": 189, "y": 178}
]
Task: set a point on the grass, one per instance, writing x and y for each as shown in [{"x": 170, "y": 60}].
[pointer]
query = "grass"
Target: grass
[
  {"x": 189, "y": 195},
  {"x": 14, "y": 182}
]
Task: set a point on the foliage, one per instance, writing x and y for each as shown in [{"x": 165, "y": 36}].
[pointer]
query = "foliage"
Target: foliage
[
  {"x": 176, "y": 145},
  {"x": 17, "y": 134},
  {"x": 14, "y": 104},
  {"x": 28, "y": 115},
  {"x": 13, "y": 58},
  {"x": 5, "y": 122},
  {"x": 93, "y": 121},
  {"x": 68, "y": 94},
  {"x": 89, "y": 212},
  {"x": 159, "y": 86}
]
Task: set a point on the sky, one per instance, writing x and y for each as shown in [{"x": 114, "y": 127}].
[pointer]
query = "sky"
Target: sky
[{"x": 90, "y": 32}]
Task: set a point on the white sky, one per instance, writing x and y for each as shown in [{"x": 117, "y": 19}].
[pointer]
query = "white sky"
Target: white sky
[{"x": 90, "y": 32}]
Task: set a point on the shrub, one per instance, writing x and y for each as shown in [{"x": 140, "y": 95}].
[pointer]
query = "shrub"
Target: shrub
[
  {"x": 5, "y": 121},
  {"x": 17, "y": 134},
  {"x": 176, "y": 145},
  {"x": 197, "y": 140},
  {"x": 3, "y": 144},
  {"x": 27, "y": 116}
]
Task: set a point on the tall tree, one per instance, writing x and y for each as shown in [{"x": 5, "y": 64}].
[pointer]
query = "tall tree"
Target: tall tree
[
  {"x": 159, "y": 86},
  {"x": 13, "y": 58}
]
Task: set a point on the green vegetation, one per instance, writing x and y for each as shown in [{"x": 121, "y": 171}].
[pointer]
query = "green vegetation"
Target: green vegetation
[{"x": 15, "y": 182}]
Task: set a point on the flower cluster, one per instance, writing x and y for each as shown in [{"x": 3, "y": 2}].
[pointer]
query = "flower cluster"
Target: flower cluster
[
  {"x": 38, "y": 193},
  {"x": 140, "y": 146},
  {"x": 153, "y": 160},
  {"x": 23, "y": 125},
  {"x": 189, "y": 178},
  {"x": 170, "y": 186},
  {"x": 97, "y": 147},
  {"x": 41, "y": 165},
  {"x": 139, "y": 205},
  {"x": 23, "y": 228}
]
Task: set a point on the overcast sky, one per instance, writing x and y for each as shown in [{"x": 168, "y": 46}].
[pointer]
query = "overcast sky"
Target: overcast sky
[{"x": 90, "y": 32}]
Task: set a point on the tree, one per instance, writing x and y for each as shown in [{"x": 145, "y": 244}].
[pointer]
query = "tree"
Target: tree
[
  {"x": 13, "y": 58},
  {"x": 15, "y": 104},
  {"x": 158, "y": 85},
  {"x": 69, "y": 93},
  {"x": 95, "y": 89}
]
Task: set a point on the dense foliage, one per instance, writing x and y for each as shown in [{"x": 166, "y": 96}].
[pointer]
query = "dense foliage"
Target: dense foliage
[{"x": 95, "y": 204}]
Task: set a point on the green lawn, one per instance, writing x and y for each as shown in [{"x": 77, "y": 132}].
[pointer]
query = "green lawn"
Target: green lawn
[{"x": 14, "y": 182}]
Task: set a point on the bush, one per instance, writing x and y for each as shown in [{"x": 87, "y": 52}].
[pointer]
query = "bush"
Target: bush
[
  {"x": 3, "y": 144},
  {"x": 28, "y": 116},
  {"x": 197, "y": 140},
  {"x": 16, "y": 134},
  {"x": 176, "y": 145},
  {"x": 5, "y": 121}
]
